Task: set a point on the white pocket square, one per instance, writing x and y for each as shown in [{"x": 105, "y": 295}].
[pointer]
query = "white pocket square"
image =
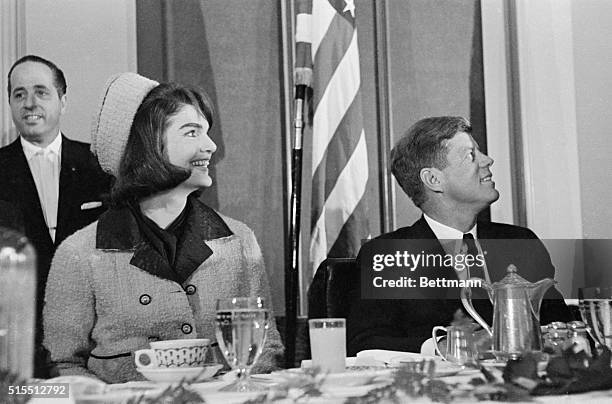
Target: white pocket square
[{"x": 91, "y": 205}]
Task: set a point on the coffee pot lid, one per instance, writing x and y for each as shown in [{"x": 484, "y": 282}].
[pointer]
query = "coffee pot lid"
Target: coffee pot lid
[{"x": 512, "y": 280}]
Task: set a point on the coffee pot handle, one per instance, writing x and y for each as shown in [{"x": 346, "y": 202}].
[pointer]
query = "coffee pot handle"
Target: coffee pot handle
[{"x": 466, "y": 299}]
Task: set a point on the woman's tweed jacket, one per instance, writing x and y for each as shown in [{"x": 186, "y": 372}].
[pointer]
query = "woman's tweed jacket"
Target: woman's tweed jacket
[{"x": 101, "y": 305}]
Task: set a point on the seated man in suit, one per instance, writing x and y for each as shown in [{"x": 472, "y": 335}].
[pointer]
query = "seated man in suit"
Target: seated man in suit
[
  {"x": 54, "y": 182},
  {"x": 440, "y": 167}
]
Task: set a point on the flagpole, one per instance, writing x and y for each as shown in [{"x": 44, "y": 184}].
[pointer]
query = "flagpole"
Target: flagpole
[
  {"x": 302, "y": 81},
  {"x": 292, "y": 256},
  {"x": 382, "y": 73},
  {"x": 292, "y": 198}
]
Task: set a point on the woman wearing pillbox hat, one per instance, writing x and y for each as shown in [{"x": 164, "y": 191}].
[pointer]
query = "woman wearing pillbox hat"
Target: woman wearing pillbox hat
[{"x": 152, "y": 266}]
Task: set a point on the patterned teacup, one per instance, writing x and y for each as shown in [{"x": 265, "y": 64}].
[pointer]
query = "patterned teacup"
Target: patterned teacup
[{"x": 173, "y": 353}]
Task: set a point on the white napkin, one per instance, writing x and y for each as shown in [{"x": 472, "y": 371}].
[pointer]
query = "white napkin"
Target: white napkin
[
  {"x": 392, "y": 357},
  {"x": 350, "y": 361}
]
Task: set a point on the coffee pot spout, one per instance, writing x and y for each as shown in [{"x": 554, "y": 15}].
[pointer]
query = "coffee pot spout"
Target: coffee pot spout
[{"x": 466, "y": 299}]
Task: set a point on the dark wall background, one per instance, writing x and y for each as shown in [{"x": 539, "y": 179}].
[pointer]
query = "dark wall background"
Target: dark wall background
[
  {"x": 435, "y": 52},
  {"x": 232, "y": 48}
]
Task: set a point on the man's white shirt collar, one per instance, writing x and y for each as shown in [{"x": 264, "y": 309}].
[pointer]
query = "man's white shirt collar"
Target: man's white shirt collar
[
  {"x": 30, "y": 149},
  {"x": 444, "y": 232}
]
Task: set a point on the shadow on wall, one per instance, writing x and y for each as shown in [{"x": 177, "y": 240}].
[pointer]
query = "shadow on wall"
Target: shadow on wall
[
  {"x": 597, "y": 259},
  {"x": 196, "y": 42},
  {"x": 182, "y": 57},
  {"x": 580, "y": 263},
  {"x": 478, "y": 116}
]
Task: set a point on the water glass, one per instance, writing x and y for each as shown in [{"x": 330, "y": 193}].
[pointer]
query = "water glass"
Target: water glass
[
  {"x": 241, "y": 328},
  {"x": 328, "y": 343},
  {"x": 17, "y": 304},
  {"x": 596, "y": 311}
]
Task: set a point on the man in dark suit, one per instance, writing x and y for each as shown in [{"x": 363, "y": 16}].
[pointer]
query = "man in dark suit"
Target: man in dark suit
[
  {"x": 10, "y": 217},
  {"x": 440, "y": 167},
  {"x": 54, "y": 182}
]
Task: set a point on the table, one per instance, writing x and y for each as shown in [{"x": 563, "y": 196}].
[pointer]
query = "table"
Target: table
[{"x": 336, "y": 388}]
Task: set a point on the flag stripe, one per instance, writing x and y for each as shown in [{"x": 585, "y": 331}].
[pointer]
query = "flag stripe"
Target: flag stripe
[
  {"x": 303, "y": 58},
  {"x": 322, "y": 15},
  {"x": 330, "y": 53},
  {"x": 336, "y": 99},
  {"x": 351, "y": 236},
  {"x": 303, "y": 7},
  {"x": 303, "y": 63},
  {"x": 303, "y": 47},
  {"x": 303, "y": 31},
  {"x": 342, "y": 200},
  {"x": 336, "y": 156}
]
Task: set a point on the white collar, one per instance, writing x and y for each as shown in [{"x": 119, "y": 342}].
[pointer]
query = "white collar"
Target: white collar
[
  {"x": 444, "y": 232},
  {"x": 30, "y": 149}
]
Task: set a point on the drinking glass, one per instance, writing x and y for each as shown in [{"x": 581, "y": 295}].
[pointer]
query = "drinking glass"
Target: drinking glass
[
  {"x": 596, "y": 310},
  {"x": 17, "y": 304},
  {"x": 241, "y": 327},
  {"x": 328, "y": 343}
]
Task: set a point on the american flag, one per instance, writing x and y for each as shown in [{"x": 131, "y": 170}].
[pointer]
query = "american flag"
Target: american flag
[{"x": 326, "y": 40}]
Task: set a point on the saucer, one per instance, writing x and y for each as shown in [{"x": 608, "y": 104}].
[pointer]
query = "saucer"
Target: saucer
[{"x": 175, "y": 375}]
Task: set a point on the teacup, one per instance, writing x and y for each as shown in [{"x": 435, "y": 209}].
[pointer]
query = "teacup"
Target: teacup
[{"x": 173, "y": 353}]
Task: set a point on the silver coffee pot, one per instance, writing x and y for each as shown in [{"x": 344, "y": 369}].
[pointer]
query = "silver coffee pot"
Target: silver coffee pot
[{"x": 516, "y": 313}]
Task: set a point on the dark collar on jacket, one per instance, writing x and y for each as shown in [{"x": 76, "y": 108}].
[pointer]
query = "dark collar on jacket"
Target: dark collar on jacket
[{"x": 118, "y": 231}]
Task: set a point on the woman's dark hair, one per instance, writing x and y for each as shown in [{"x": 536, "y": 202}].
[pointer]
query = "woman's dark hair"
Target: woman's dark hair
[{"x": 144, "y": 169}]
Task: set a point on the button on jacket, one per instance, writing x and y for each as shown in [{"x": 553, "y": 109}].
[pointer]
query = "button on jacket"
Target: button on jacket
[{"x": 108, "y": 292}]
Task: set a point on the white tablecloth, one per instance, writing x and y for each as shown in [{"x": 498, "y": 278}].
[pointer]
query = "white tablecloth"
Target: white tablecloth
[{"x": 334, "y": 393}]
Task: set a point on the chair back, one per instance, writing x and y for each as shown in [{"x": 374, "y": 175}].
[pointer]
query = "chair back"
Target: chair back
[{"x": 331, "y": 288}]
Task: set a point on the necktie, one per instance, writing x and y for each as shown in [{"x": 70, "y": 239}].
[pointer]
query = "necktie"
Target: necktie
[
  {"x": 475, "y": 269},
  {"x": 48, "y": 187}
]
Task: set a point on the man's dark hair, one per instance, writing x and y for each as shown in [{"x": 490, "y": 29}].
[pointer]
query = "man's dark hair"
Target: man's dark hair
[
  {"x": 145, "y": 169},
  {"x": 422, "y": 146},
  {"x": 59, "y": 80}
]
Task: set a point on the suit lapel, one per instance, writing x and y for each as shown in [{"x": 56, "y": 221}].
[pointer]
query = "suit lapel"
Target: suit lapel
[
  {"x": 22, "y": 182},
  {"x": 68, "y": 184},
  {"x": 422, "y": 230}
]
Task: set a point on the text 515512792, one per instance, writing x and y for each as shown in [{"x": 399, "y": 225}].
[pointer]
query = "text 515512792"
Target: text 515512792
[{"x": 43, "y": 390}]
